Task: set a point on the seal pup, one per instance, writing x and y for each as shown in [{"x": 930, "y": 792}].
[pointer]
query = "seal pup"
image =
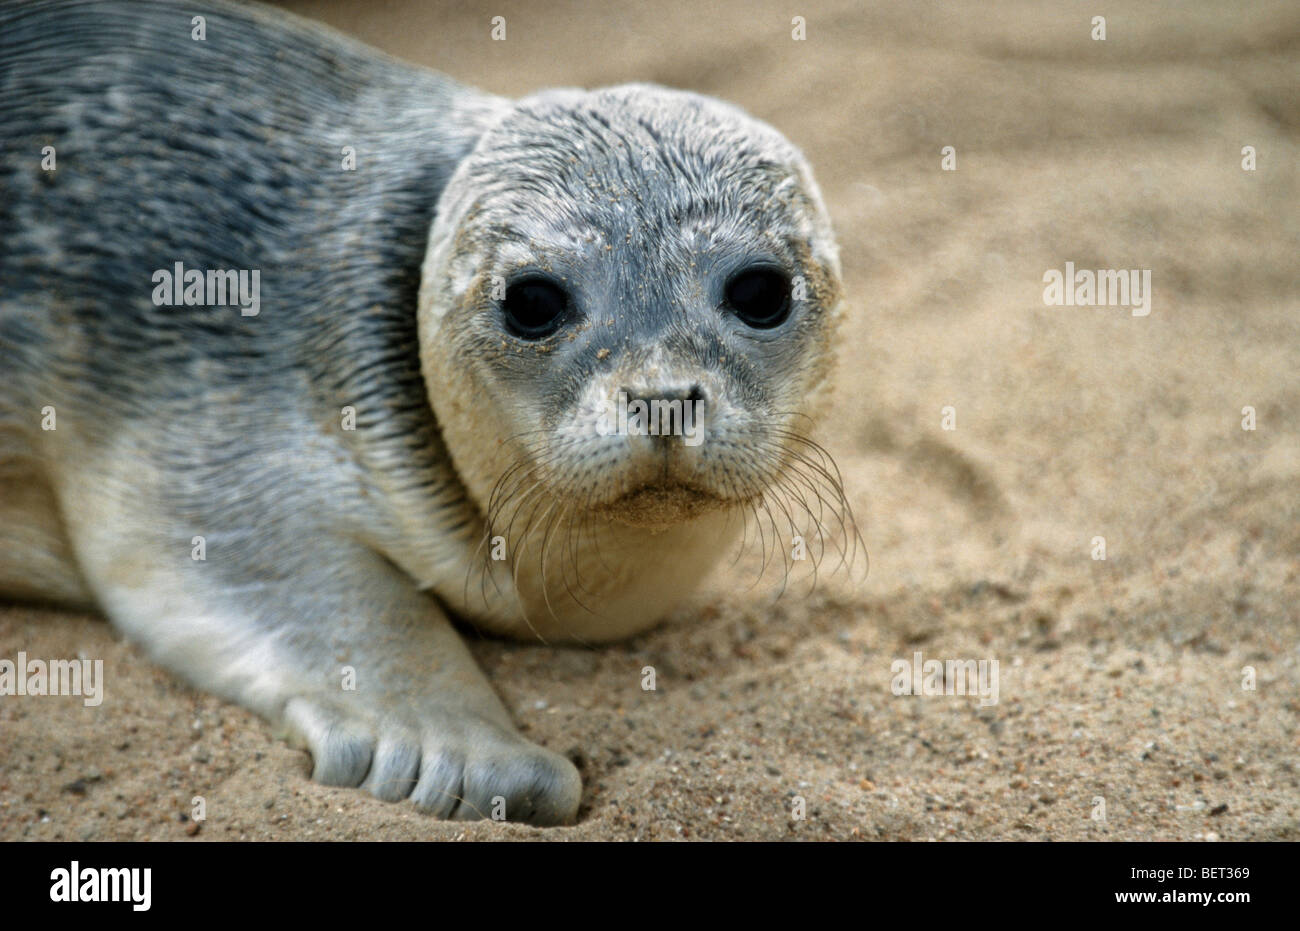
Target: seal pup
[{"x": 280, "y": 416}]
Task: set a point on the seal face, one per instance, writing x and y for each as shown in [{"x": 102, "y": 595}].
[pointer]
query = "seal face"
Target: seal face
[
  {"x": 622, "y": 244},
  {"x": 560, "y": 346}
]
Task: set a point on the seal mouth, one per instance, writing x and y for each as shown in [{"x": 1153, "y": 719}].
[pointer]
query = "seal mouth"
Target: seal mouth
[{"x": 661, "y": 505}]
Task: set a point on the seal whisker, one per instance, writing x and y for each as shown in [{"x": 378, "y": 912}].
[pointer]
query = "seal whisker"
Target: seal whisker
[
  {"x": 829, "y": 472},
  {"x": 785, "y": 485},
  {"x": 494, "y": 512},
  {"x": 488, "y": 519},
  {"x": 795, "y": 479},
  {"x": 768, "y": 495},
  {"x": 795, "y": 499}
]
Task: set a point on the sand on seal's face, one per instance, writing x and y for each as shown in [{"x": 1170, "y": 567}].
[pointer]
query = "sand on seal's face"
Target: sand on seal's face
[
  {"x": 661, "y": 507},
  {"x": 1120, "y": 679}
]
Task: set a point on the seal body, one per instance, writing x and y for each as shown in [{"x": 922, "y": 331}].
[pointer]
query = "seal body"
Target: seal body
[{"x": 282, "y": 489}]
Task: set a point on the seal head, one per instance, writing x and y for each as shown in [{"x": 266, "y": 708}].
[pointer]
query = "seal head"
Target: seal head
[{"x": 601, "y": 248}]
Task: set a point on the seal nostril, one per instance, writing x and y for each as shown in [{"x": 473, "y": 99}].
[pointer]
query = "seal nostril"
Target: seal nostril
[{"x": 693, "y": 393}]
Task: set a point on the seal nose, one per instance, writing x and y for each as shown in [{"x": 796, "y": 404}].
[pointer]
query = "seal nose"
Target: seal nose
[
  {"x": 693, "y": 393},
  {"x": 665, "y": 413}
]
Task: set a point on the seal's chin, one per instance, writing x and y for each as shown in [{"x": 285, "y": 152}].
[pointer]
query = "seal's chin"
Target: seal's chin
[{"x": 660, "y": 506}]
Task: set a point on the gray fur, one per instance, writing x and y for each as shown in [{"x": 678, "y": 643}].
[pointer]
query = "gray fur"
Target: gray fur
[{"x": 329, "y": 547}]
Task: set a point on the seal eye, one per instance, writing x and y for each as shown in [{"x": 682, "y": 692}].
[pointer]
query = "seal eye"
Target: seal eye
[
  {"x": 534, "y": 308},
  {"x": 760, "y": 297}
]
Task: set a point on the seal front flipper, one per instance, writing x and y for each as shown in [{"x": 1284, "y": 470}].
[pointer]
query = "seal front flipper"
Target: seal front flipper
[{"x": 382, "y": 692}]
